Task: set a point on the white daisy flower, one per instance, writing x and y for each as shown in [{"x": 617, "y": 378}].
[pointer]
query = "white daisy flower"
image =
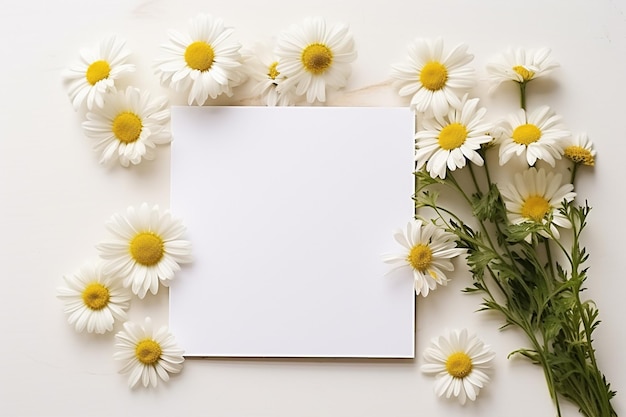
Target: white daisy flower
[
  {"x": 94, "y": 75},
  {"x": 314, "y": 58},
  {"x": 460, "y": 364},
  {"x": 94, "y": 299},
  {"x": 205, "y": 62},
  {"x": 536, "y": 135},
  {"x": 129, "y": 126},
  {"x": 434, "y": 80},
  {"x": 147, "y": 248},
  {"x": 262, "y": 67},
  {"x": 535, "y": 196},
  {"x": 148, "y": 355},
  {"x": 520, "y": 65},
  {"x": 447, "y": 142},
  {"x": 580, "y": 150},
  {"x": 427, "y": 253}
]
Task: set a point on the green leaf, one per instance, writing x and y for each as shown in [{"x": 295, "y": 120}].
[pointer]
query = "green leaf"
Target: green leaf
[{"x": 488, "y": 206}]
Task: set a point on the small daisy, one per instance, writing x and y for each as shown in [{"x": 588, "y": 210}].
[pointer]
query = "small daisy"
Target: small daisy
[
  {"x": 262, "y": 66},
  {"x": 446, "y": 142},
  {"x": 580, "y": 150},
  {"x": 147, "y": 248},
  {"x": 90, "y": 79},
  {"x": 520, "y": 65},
  {"x": 434, "y": 80},
  {"x": 535, "y": 196},
  {"x": 460, "y": 364},
  {"x": 314, "y": 58},
  {"x": 147, "y": 355},
  {"x": 94, "y": 299},
  {"x": 129, "y": 126},
  {"x": 427, "y": 253},
  {"x": 205, "y": 62},
  {"x": 537, "y": 135}
]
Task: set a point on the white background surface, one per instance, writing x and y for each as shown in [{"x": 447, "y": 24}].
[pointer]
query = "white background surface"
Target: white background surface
[{"x": 55, "y": 199}]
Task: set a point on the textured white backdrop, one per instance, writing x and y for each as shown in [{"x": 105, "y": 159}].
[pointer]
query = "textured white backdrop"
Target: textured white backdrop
[{"x": 55, "y": 198}]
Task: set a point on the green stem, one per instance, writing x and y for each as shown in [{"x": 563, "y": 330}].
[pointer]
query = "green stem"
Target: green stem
[
  {"x": 548, "y": 372},
  {"x": 522, "y": 90},
  {"x": 552, "y": 276},
  {"x": 573, "y": 177},
  {"x": 604, "y": 400},
  {"x": 471, "y": 169},
  {"x": 487, "y": 170}
]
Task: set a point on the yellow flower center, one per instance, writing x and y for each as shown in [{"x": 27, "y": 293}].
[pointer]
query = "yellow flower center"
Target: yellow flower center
[
  {"x": 98, "y": 70},
  {"x": 200, "y": 56},
  {"x": 148, "y": 351},
  {"x": 127, "y": 127},
  {"x": 96, "y": 296},
  {"x": 526, "y": 74},
  {"x": 526, "y": 134},
  {"x": 579, "y": 155},
  {"x": 272, "y": 72},
  {"x": 452, "y": 136},
  {"x": 420, "y": 257},
  {"x": 459, "y": 365},
  {"x": 535, "y": 208},
  {"x": 146, "y": 248},
  {"x": 434, "y": 75},
  {"x": 317, "y": 58}
]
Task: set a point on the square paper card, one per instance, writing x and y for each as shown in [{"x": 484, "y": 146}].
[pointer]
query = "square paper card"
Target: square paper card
[{"x": 289, "y": 210}]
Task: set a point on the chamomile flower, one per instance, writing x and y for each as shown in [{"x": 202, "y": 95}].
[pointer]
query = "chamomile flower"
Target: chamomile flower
[
  {"x": 129, "y": 126},
  {"x": 204, "y": 62},
  {"x": 148, "y": 355},
  {"x": 314, "y": 58},
  {"x": 147, "y": 248},
  {"x": 460, "y": 363},
  {"x": 93, "y": 299},
  {"x": 535, "y": 196},
  {"x": 434, "y": 80},
  {"x": 520, "y": 65},
  {"x": 447, "y": 142},
  {"x": 262, "y": 67},
  {"x": 535, "y": 135},
  {"x": 580, "y": 150},
  {"x": 427, "y": 253},
  {"x": 90, "y": 79}
]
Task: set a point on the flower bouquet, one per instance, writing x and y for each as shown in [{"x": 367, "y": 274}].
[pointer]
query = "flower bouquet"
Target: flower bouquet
[{"x": 523, "y": 238}]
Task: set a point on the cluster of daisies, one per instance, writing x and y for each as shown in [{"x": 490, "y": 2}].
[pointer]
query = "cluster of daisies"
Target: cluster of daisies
[
  {"x": 204, "y": 63},
  {"x": 307, "y": 61},
  {"x": 144, "y": 252},
  {"x": 453, "y": 131},
  {"x": 127, "y": 124}
]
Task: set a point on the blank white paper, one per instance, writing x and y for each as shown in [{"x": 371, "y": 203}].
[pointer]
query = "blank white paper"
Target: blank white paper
[{"x": 289, "y": 210}]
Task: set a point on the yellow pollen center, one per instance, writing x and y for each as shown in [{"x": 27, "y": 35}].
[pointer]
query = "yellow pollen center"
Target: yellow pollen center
[
  {"x": 98, "y": 70},
  {"x": 526, "y": 134},
  {"x": 317, "y": 58},
  {"x": 434, "y": 75},
  {"x": 579, "y": 155},
  {"x": 420, "y": 257},
  {"x": 127, "y": 127},
  {"x": 96, "y": 296},
  {"x": 200, "y": 56},
  {"x": 148, "y": 351},
  {"x": 146, "y": 248},
  {"x": 535, "y": 208},
  {"x": 459, "y": 365},
  {"x": 452, "y": 136},
  {"x": 526, "y": 74},
  {"x": 272, "y": 72}
]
